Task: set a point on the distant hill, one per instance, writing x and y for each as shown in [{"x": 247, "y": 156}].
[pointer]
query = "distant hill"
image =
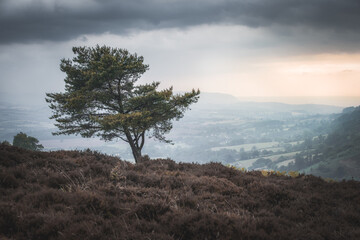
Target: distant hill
[
  {"x": 283, "y": 107},
  {"x": 342, "y": 146},
  {"x": 35, "y": 120},
  {"x": 216, "y": 98},
  {"x": 225, "y": 102},
  {"x": 338, "y": 154},
  {"x": 87, "y": 195},
  {"x": 346, "y": 131}
]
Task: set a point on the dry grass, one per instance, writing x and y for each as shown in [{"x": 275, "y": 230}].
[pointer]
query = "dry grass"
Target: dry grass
[{"x": 86, "y": 195}]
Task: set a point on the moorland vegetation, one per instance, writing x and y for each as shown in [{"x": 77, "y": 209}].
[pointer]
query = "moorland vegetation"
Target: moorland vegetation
[{"x": 87, "y": 195}]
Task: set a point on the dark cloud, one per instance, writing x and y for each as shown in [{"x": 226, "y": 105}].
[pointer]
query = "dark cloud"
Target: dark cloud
[{"x": 58, "y": 21}]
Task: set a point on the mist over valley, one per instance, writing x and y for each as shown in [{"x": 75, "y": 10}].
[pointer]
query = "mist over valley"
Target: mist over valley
[{"x": 219, "y": 128}]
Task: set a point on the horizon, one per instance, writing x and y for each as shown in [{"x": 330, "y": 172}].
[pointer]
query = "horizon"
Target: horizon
[{"x": 338, "y": 101}]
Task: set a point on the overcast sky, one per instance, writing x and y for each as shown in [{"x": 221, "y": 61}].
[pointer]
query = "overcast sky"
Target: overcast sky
[{"x": 262, "y": 48}]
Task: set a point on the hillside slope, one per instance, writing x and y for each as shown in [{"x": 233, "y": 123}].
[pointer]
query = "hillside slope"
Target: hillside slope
[
  {"x": 341, "y": 149},
  {"x": 86, "y": 195}
]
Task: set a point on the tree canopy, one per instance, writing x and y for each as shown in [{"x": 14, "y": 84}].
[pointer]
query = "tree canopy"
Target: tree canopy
[
  {"x": 27, "y": 142},
  {"x": 102, "y": 99}
]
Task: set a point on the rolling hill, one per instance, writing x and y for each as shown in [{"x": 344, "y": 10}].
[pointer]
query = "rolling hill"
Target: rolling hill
[
  {"x": 341, "y": 150},
  {"x": 87, "y": 195}
]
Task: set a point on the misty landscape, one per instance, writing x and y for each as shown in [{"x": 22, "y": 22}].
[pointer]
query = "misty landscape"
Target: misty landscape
[
  {"x": 179, "y": 119},
  {"x": 222, "y": 128}
]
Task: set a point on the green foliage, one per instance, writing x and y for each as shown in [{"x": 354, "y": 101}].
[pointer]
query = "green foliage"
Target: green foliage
[
  {"x": 6, "y": 143},
  {"x": 27, "y": 142},
  {"x": 102, "y": 99}
]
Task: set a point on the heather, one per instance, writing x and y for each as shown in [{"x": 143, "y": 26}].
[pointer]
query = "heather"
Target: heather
[{"x": 88, "y": 195}]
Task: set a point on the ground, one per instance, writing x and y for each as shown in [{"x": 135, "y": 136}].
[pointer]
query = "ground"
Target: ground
[{"x": 87, "y": 195}]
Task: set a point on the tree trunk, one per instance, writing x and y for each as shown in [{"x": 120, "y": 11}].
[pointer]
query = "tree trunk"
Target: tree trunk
[
  {"x": 135, "y": 148},
  {"x": 136, "y": 153}
]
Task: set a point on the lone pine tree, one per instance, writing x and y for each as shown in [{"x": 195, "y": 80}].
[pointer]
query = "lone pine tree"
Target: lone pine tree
[{"x": 102, "y": 99}]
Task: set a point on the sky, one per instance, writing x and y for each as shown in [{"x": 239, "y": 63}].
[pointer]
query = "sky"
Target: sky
[{"x": 247, "y": 48}]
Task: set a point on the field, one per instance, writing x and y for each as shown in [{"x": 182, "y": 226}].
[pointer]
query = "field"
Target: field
[
  {"x": 248, "y": 147},
  {"x": 275, "y": 147},
  {"x": 249, "y": 162},
  {"x": 285, "y": 163}
]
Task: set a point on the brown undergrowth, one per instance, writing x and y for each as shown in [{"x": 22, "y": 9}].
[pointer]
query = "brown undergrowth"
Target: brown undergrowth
[{"x": 86, "y": 195}]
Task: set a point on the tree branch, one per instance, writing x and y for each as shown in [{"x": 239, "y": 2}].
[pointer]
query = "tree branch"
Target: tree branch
[
  {"x": 124, "y": 139},
  {"x": 142, "y": 140}
]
